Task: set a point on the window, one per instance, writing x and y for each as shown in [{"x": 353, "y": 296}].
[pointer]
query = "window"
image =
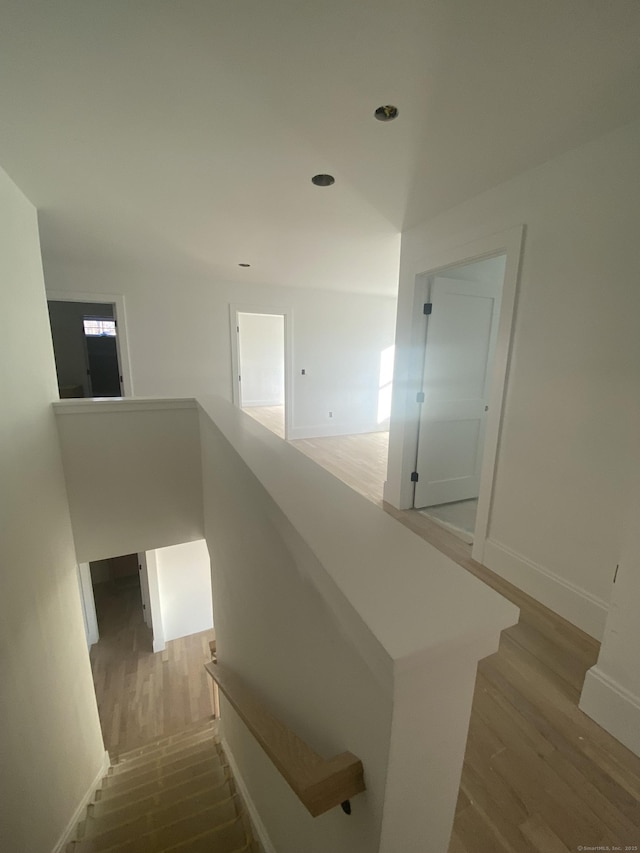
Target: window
[{"x": 99, "y": 327}]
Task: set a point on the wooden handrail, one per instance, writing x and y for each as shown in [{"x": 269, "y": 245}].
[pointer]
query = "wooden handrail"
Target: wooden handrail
[{"x": 320, "y": 784}]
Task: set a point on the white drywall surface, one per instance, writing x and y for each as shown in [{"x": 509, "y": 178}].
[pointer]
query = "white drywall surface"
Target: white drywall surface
[
  {"x": 339, "y": 617},
  {"x": 50, "y": 741},
  {"x": 179, "y": 341},
  {"x": 133, "y": 475},
  {"x": 611, "y": 693},
  {"x": 184, "y": 581},
  {"x": 555, "y": 521},
  {"x": 261, "y": 352}
]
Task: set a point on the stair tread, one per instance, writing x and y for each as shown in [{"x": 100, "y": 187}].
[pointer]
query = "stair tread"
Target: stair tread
[
  {"x": 226, "y": 838},
  {"x": 172, "y": 822},
  {"x": 174, "y": 795},
  {"x": 197, "y": 788},
  {"x": 167, "y": 741},
  {"x": 153, "y": 770},
  {"x": 165, "y": 755},
  {"x": 139, "y": 792},
  {"x": 222, "y": 840}
]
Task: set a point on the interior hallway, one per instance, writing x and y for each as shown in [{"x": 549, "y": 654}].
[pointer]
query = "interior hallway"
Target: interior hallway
[
  {"x": 538, "y": 775},
  {"x": 142, "y": 695}
]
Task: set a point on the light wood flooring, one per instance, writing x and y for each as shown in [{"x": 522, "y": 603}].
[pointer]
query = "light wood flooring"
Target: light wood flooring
[
  {"x": 272, "y": 417},
  {"x": 142, "y": 695},
  {"x": 360, "y": 461}
]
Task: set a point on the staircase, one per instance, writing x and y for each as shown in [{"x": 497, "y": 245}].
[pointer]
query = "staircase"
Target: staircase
[{"x": 174, "y": 795}]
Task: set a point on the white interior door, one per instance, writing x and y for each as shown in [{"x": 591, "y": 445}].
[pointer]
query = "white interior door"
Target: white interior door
[{"x": 460, "y": 344}]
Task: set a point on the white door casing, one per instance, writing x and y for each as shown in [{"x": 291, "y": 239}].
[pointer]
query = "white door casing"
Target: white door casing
[
  {"x": 287, "y": 313},
  {"x": 122, "y": 343},
  {"x": 434, "y": 260},
  {"x": 460, "y": 344},
  {"x": 144, "y": 590},
  {"x": 88, "y": 604}
]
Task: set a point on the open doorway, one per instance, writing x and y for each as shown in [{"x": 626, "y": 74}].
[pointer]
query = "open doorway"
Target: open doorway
[
  {"x": 155, "y": 617},
  {"x": 89, "y": 344},
  {"x": 462, "y": 307},
  {"x": 121, "y": 603},
  {"x": 85, "y": 348},
  {"x": 260, "y": 374}
]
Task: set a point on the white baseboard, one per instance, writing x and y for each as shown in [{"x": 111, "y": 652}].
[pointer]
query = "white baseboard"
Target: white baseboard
[
  {"x": 249, "y": 404},
  {"x": 78, "y": 815},
  {"x": 256, "y": 820},
  {"x": 327, "y": 430},
  {"x": 612, "y": 707},
  {"x": 576, "y": 605}
]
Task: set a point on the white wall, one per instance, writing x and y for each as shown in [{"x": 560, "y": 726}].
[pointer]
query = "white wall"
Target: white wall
[
  {"x": 340, "y": 343},
  {"x": 611, "y": 693},
  {"x": 133, "y": 475},
  {"x": 51, "y": 747},
  {"x": 261, "y": 352},
  {"x": 184, "y": 582},
  {"x": 179, "y": 340},
  {"x": 559, "y": 498},
  {"x": 356, "y": 633}
]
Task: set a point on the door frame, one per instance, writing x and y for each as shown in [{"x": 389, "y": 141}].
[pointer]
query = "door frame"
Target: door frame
[
  {"x": 145, "y": 592},
  {"x": 119, "y": 313},
  {"x": 88, "y": 603},
  {"x": 286, "y": 312},
  {"x": 399, "y": 487}
]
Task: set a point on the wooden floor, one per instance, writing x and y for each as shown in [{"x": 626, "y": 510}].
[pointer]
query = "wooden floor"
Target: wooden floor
[
  {"x": 539, "y": 775},
  {"x": 360, "y": 461},
  {"x": 272, "y": 417},
  {"x": 142, "y": 695}
]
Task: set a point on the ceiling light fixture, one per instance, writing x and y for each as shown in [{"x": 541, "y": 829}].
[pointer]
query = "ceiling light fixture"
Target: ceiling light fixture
[
  {"x": 323, "y": 180},
  {"x": 386, "y": 113}
]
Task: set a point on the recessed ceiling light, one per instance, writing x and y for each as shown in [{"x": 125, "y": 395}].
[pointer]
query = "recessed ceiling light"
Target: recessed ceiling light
[
  {"x": 244, "y": 265},
  {"x": 323, "y": 180},
  {"x": 386, "y": 113}
]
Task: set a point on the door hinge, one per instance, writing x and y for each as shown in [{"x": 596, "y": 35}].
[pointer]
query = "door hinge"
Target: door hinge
[
  {"x": 420, "y": 397},
  {"x": 414, "y": 476},
  {"x": 427, "y": 308}
]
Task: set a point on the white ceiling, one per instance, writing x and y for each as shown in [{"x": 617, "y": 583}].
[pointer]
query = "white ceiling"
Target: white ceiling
[{"x": 181, "y": 135}]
